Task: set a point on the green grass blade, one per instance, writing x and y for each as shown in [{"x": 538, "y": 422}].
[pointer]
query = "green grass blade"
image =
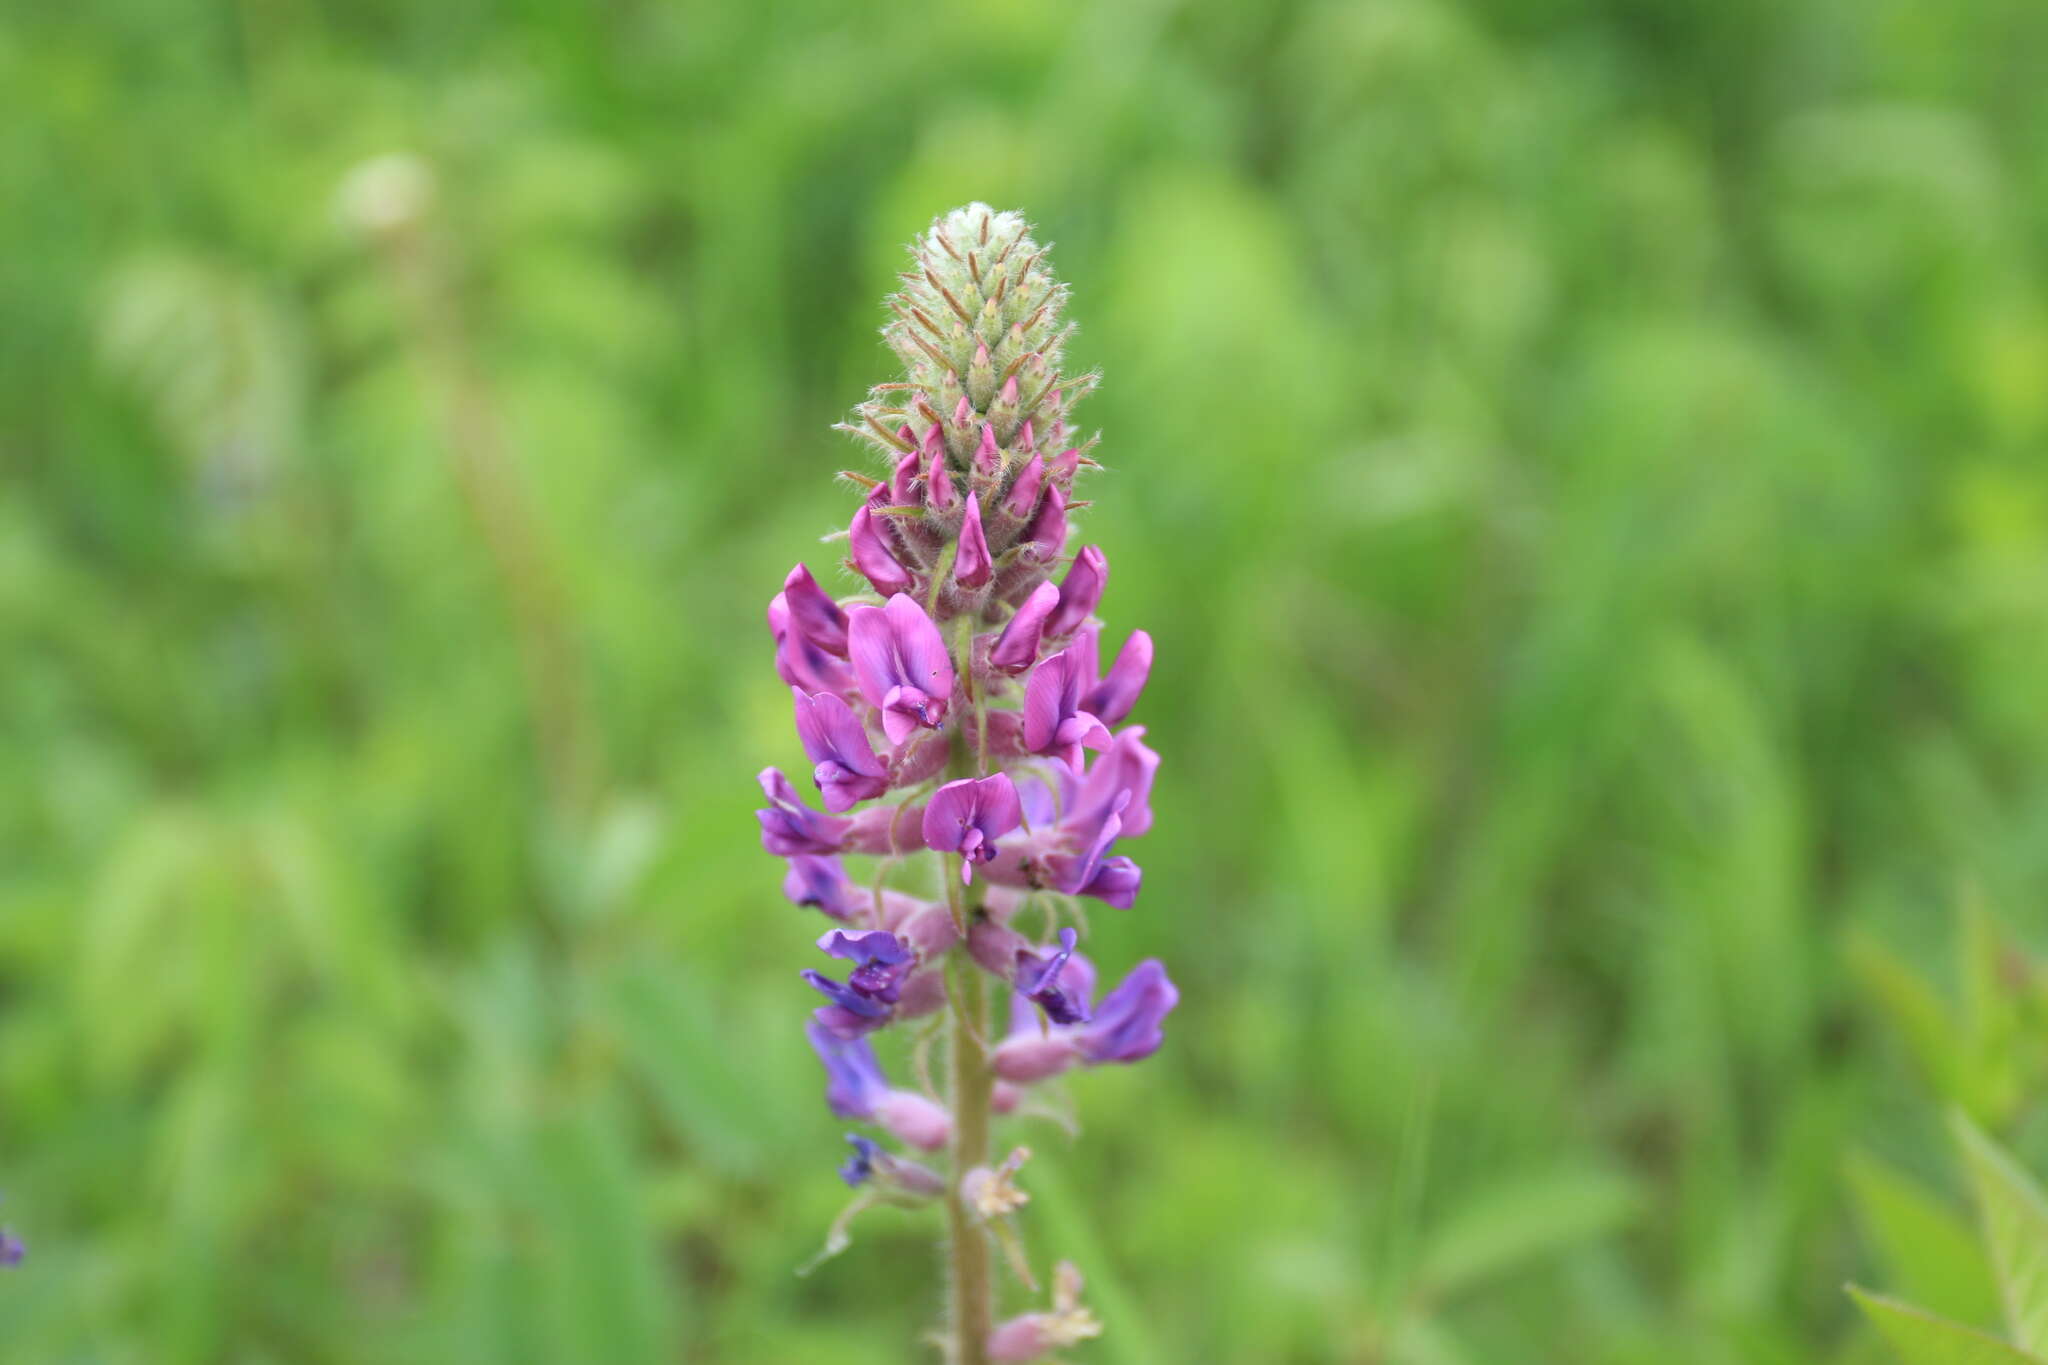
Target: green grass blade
[
  {"x": 1920, "y": 1338},
  {"x": 2016, "y": 1226}
]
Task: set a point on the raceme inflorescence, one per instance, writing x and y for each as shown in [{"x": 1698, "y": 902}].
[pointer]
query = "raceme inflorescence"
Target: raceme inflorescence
[{"x": 959, "y": 716}]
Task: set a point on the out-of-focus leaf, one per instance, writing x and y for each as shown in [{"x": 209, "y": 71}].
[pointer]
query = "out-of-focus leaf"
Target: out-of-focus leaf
[
  {"x": 2016, "y": 1225},
  {"x": 672, "y": 1043},
  {"x": 607, "y": 1297},
  {"x": 1522, "y": 1220},
  {"x": 1913, "y": 1006},
  {"x": 1930, "y": 1252},
  {"x": 1920, "y": 1338}
]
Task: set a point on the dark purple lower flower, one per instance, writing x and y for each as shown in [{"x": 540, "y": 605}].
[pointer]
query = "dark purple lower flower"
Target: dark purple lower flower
[
  {"x": 866, "y": 1000},
  {"x": 871, "y": 1163},
  {"x": 1124, "y": 1027},
  {"x": 11, "y": 1250}
]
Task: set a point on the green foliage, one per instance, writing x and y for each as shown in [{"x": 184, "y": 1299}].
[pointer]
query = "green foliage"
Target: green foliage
[
  {"x": 1583, "y": 467},
  {"x": 2015, "y": 1226}
]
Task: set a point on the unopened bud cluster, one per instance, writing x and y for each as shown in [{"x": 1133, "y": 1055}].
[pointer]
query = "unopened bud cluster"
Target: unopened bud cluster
[{"x": 962, "y": 707}]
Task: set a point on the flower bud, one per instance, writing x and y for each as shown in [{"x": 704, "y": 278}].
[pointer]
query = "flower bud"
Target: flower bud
[
  {"x": 938, "y": 486},
  {"x": 872, "y": 555},
  {"x": 1016, "y": 649},
  {"x": 972, "y": 563},
  {"x": 1023, "y": 494},
  {"x": 1080, "y": 590}
]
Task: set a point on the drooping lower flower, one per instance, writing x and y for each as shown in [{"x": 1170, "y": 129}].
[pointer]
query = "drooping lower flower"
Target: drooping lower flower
[
  {"x": 895, "y": 1175},
  {"x": 855, "y": 1088}
]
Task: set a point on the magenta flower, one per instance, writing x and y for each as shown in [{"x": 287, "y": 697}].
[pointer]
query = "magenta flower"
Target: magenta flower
[
  {"x": 968, "y": 816},
  {"x": 933, "y": 724},
  {"x": 902, "y": 664},
  {"x": 1054, "y": 721},
  {"x": 847, "y": 772},
  {"x": 799, "y": 660}
]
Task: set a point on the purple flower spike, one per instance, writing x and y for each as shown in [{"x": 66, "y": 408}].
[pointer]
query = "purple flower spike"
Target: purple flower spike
[
  {"x": 872, "y": 556},
  {"x": 1112, "y": 698},
  {"x": 815, "y": 614},
  {"x": 1054, "y": 722},
  {"x": 789, "y": 827},
  {"x": 1080, "y": 590},
  {"x": 819, "y": 880},
  {"x": 1039, "y": 980},
  {"x": 1126, "y": 1024},
  {"x": 971, "y": 565},
  {"x": 848, "y": 771},
  {"x": 902, "y": 664},
  {"x": 1023, "y": 494},
  {"x": 1016, "y": 649},
  {"x": 968, "y": 816},
  {"x": 1047, "y": 533}
]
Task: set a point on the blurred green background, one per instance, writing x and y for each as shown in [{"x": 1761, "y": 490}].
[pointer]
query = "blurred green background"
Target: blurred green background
[{"x": 1582, "y": 463}]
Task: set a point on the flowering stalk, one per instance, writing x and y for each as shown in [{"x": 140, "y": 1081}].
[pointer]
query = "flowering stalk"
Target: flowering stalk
[{"x": 960, "y": 709}]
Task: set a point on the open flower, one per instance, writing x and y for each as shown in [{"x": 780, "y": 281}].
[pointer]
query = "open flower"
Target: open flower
[
  {"x": 1055, "y": 722},
  {"x": 968, "y": 816},
  {"x": 902, "y": 664},
  {"x": 848, "y": 771}
]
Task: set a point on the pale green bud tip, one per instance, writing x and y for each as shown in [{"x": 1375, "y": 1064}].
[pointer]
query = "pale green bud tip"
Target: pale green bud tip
[{"x": 977, "y": 325}]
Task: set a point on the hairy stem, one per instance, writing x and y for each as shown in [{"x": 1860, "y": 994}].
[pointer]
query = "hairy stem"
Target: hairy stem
[{"x": 971, "y": 1312}]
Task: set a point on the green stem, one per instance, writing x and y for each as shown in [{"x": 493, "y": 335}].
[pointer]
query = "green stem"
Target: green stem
[{"x": 970, "y": 1264}]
